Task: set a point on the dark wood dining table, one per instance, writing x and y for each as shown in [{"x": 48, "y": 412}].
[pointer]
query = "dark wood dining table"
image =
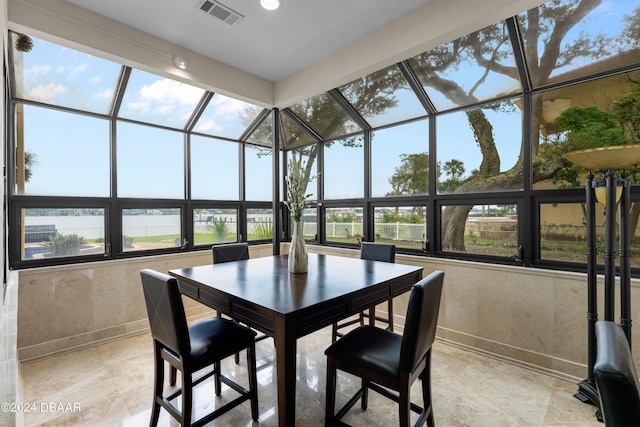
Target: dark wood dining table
[{"x": 261, "y": 293}]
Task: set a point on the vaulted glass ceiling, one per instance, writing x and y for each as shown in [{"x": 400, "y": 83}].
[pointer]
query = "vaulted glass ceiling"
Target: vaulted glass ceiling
[
  {"x": 60, "y": 76},
  {"x": 500, "y": 61},
  {"x": 398, "y": 101},
  {"x": 474, "y": 68},
  {"x": 150, "y": 98}
]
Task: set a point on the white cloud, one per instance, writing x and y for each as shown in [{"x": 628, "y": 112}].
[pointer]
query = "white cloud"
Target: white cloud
[
  {"x": 209, "y": 126},
  {"x": 79, "y": 68},
  {"x": 105, "y": 94},
  {"x": 224, "y": 105},
  {"x": 164, "y": 97},
  {"x": 46, "y": 92},
  {"x": 39, "y": 69}
]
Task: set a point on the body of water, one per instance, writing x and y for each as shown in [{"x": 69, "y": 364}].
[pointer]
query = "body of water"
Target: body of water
[{"x": 92, "y": 227}]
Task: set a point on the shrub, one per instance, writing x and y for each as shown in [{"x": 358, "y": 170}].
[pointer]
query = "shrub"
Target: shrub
[
  {"x": 263, "y": 229},
  {"x": 219, "y": 228},
  {"x": 65, "y": 244},
  {"x": 127, "y": 241}
]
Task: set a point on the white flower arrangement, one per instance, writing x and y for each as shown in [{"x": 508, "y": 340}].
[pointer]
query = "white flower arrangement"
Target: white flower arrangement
[{"x": 297, "y": 200}]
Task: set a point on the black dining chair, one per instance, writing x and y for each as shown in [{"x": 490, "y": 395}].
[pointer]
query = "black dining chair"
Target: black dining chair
[
  {"x": 373, "y": 252},
  {"x": 388, "y": 362},
  {"x": 229, "y": 252},
  {"x": 615, "y": 376},
  {"x": 192, "y": 348}
]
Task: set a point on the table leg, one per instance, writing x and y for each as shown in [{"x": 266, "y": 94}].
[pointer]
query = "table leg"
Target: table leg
[{"x": 286, "y": 351}]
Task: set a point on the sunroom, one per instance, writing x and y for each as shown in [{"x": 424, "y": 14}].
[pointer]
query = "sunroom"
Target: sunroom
[{"x": 124, "y": 151}]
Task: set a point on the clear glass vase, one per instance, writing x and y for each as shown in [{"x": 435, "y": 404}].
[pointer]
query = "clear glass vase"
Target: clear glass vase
[{"x": 298, "y": 260}]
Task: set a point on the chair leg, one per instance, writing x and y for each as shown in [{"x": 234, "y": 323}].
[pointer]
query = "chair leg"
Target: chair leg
[
  {"x": 158, "y": 386},
  {"x": 237, "y": 354},
  {"x": 426, "y": 390},
  {"x": 330, "y": 403},
  {"x": 216, "y": 378},
  {"x": 253, "y": 380},
  {"x": 404, "y": 404},
  {"x": 187, "y": 398},
  {"x": 334, "y": 332},
  {"x": 365, "y": 395}
]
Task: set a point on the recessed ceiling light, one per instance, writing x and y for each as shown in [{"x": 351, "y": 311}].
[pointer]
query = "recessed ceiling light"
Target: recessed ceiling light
[{"x": 270, "y": 4}]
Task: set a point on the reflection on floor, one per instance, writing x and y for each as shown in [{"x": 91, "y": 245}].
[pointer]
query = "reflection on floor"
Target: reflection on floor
[{"x": 111, "y": 385}]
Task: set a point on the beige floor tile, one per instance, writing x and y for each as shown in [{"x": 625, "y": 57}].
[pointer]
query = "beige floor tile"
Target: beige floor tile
[{"x": 112, "y": 385}]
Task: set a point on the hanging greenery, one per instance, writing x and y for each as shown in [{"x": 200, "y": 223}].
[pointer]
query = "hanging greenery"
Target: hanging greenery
[{"x": 23, "y": 42}]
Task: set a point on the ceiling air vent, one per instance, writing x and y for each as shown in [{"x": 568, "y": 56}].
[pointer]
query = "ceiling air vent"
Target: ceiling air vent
[{"x": 220, "y": 11}]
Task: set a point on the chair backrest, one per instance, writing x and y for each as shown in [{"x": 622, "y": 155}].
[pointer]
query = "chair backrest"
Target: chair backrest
[
  {"x": 422, "y": 318},
  {"x": 166, "y": 312},
  {"x": 378, "y": 252},
  {"x": 615, "y": 376},
  {"x": 230, "y": 252}
]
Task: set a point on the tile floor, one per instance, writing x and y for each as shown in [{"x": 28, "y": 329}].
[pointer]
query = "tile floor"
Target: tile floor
[{"x": 111, "y": 385}]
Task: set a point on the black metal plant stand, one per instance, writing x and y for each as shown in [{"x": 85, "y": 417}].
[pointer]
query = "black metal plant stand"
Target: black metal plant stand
[{"x": 587, "y": 391}]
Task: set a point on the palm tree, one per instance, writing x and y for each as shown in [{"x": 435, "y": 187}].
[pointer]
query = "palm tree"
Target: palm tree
[{"x": 454, "y": 168}]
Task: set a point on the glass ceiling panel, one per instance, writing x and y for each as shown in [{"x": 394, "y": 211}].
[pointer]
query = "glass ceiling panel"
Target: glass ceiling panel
[
  {"x": 473, "y": 68},
  {"x": 154, "y": 99},
  {"x": 52, "y": 74},
  {"x": 325, "y": 116},
  {"x": 227, "y": 117},
  {"x": 294, "y": 135},
  {"x": 568, "y": 39},
  {"x": 263, "y": 135},
  {"x": 383, "y": 97}
]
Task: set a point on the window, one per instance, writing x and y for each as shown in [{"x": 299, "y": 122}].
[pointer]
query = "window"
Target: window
[
  {"x": 294, "y": 134},
  {"x": 215, "y": 169},
  {"x": 55, "y": 75},
  {"x": 62, "y": 232},
  {"x": 315, "y": 110},
  {"x": 488, "y": 229},
  {"x": 477, "y": 147},
  {"x": 603, "y": 38},
  {"x": 259, "y": 224},
  {"x": 226, "y": 117},
  {"x": 590, "y": 114},
  {"x": 215, "y": 226},
  {"x": 344, "y": 168},
  {"x": 258, "y": 167},
  {"x": 154, "y": 99},
  {"x": 310, "y": 221},
  {"x": 563, "y": 233},
  {"x": 477, "y": 67},
  {"x": 148, "y": 229},
  {"x": 344, "y": 225},
  {"x": 61, "y": 154},
  {"x": 307, "y": 157},
  {"x": 403, "y": 226},
  {"x": 383, "y": 97},
  {"x": 400, "y": 160},
  {"x": 100, "y": 140},
  {"x": 150, "y": 162},
  {"x": 263, "y": 135}
]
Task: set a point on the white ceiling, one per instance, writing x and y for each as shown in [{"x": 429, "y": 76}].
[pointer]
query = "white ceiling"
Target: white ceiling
[{"x": 269, "y": 44}]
